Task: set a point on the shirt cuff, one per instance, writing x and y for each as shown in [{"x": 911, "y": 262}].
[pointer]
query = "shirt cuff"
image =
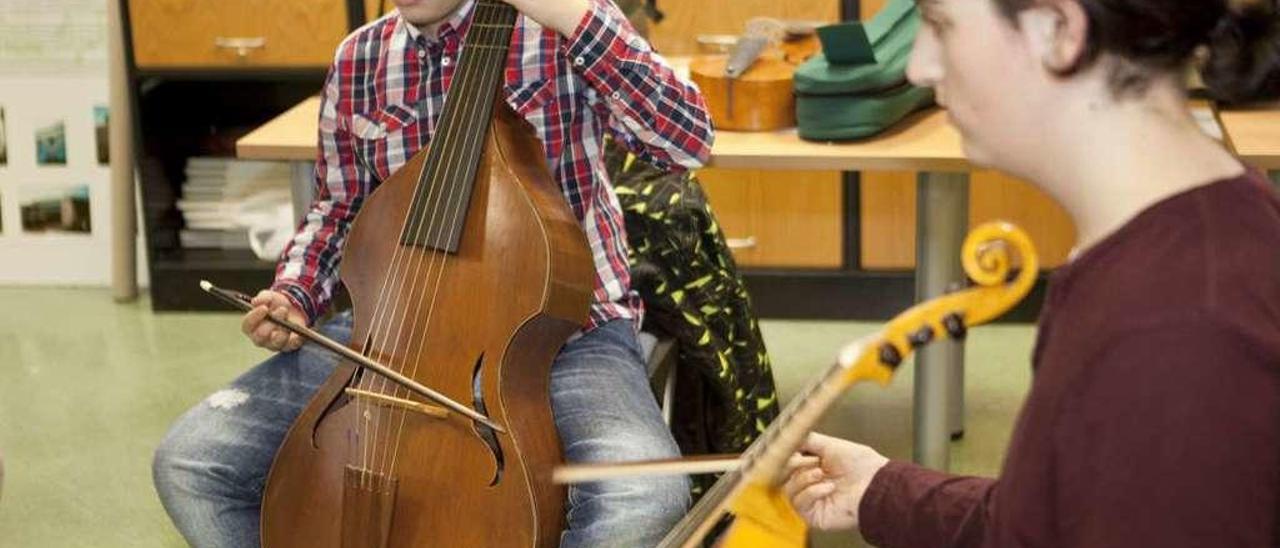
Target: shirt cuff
[
  {"x": 876, "y": 511},
  {"x": 299, "y": 296}
]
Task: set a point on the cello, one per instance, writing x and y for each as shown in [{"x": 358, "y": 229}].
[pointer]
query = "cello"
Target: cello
[{"x": 467, "y": 272}]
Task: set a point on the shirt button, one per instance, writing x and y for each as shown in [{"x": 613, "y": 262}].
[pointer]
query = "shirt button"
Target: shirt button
[
  {"x": 422, "y": 53},
  {"x": 617, "y": 95},
  {"x": 579, "y": 61},
  {"x": 445, "y": 61}
]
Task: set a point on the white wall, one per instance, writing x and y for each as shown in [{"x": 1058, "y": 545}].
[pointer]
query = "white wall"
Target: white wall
[{"x": 53, "y": 67}]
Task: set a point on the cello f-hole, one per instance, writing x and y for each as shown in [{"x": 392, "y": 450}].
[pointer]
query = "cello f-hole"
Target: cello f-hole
[{"x": 485, "y": 433}]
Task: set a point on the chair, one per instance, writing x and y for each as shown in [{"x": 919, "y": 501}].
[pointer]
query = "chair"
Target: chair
[{"x": 661, "y": 356}]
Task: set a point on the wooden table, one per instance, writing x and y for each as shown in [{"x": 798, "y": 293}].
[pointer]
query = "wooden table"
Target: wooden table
[
  {"x": 1254, "y": 134},
  {"x": 925, "y": 143}
]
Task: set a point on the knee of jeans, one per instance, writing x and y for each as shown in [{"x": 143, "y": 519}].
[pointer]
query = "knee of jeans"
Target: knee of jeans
[
  {"x": 172, "y": 462},
  {"x": 671, "y": 496},
  {"x": 164, "y": 470},
  {"x": 186, "y": 462},
  {"x": 653, "y": 501}
]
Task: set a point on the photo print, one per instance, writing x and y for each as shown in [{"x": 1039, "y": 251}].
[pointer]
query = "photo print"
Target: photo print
[
  {"x": 101, "y": 119},
  {"x": 54, "y": 209},
  {"x": 4, "y": 140},
  {"x": 51, "y": 144}
]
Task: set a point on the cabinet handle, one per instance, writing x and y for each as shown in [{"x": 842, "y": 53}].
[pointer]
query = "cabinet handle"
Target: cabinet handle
[
  {"x": 241, "y": 45},
  {"x": 741, "y": 243}
]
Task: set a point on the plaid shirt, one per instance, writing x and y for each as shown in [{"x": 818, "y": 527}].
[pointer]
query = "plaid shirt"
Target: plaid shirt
[{"x": 385, "y": 92}]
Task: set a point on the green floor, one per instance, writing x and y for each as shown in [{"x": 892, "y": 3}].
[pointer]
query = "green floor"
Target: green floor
[{"x": 87, "y": 388}]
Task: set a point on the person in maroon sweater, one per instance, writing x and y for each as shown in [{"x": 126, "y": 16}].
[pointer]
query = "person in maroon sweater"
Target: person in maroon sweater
[{"x": 1154, "y": 414}]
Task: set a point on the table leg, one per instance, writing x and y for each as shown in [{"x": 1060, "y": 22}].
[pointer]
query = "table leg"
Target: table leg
[
  {"x": 942, "y": 203},
  {"x": 302, "y": 188}
]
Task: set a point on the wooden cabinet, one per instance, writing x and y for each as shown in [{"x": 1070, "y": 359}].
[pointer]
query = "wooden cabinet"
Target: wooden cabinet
[
  {"x": 193, "y": 98},
  {"x": 994, "y": 196},
  {"x": 888, "y": 215},
  {"x": 780, "y": 219},
  {"x": 235, "y": 34}
]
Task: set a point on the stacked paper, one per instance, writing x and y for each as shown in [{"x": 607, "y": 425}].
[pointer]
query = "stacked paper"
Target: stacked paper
[{"x": 223, "y": 197}]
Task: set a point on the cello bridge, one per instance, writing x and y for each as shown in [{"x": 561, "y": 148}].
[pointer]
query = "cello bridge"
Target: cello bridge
[{"x": 432, "y": 411}]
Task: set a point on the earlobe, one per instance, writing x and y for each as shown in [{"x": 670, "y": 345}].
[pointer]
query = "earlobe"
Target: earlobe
[{"x": 1056, "y": 33}]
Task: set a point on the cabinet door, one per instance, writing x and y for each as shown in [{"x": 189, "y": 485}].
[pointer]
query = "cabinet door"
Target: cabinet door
[
  {"x": 888, "y": 203},
  {"x": 995, "y": 196},
  {"x": 887, "y": 207},
  {"x": 236, "y": 33},
  {"x": 779, "y": 219}
]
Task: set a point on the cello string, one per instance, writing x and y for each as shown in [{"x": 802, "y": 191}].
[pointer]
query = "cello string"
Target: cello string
[
  {"x": 367, "y": 412},
  {"x": 432, "y": 221},
  {"x": 393, "y": 284},
  {"x": 487, "y": 57},
  {"x": 417, "y": 230},
  {"x": 392, "y": 333},
  {"x": 486, "y": 15},
  {"x": 438, "y": 177},
  {"x": 361, "y": 406}
]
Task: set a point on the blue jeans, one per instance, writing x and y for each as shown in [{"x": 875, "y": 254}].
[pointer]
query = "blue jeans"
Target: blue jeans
[{"x": 211, "y": 468}]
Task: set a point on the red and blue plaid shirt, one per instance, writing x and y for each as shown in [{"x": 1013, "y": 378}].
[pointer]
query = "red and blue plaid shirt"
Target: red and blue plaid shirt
[{"x": 385, "y": 92}]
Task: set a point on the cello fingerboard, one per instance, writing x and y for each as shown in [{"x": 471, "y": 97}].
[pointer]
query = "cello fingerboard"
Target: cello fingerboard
[{"x": 444, "y": 190}]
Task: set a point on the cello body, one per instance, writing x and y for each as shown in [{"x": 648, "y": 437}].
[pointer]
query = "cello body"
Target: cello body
[{"x": 480, "y": 322}]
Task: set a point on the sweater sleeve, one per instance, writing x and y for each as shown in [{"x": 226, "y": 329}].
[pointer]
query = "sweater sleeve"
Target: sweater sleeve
[{"x": 909, "y": 506}]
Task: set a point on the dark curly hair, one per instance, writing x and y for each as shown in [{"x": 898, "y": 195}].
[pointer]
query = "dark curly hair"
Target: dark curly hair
[{"x": 1241, "y": 37}]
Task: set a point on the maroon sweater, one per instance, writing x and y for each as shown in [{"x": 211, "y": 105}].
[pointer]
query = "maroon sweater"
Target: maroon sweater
[{"x": 1154, "y": 415}]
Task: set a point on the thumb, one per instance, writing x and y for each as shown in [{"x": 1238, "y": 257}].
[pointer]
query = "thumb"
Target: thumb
[
  {"x": 816, "y": 444},
  {"x": 265, "y": 298}
]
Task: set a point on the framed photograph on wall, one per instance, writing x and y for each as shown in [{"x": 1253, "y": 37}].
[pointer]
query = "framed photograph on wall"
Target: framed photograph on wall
[
  {"x": 51, "y": 144},
  {"x": 55, "y": 209},
  {"x": 101, "y": 134},
  {"x": 4, "y": 141}
]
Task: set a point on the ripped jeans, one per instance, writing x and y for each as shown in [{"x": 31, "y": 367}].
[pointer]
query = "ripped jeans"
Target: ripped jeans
[{"x": 211, "y": 468}]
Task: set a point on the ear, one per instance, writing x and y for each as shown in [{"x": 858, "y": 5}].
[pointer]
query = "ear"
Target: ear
[{"x": 1057, "y": 32}]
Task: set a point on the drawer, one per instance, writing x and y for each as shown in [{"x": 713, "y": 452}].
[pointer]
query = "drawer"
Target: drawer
[
  {"x": 779, "y": 219},
  {"x": 217, "y": 34}
]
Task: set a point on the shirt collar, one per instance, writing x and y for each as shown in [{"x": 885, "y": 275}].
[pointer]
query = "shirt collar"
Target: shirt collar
[{"x": 455, "y": 25}]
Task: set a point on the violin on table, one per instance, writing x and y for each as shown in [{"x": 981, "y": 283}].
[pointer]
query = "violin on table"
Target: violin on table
[{"x": 751, "y": 88}]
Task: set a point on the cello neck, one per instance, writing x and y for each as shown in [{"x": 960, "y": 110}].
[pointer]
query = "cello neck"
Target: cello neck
[
  {"x": 764, "y": 460},
  {"x": 449, "y": 174}
]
